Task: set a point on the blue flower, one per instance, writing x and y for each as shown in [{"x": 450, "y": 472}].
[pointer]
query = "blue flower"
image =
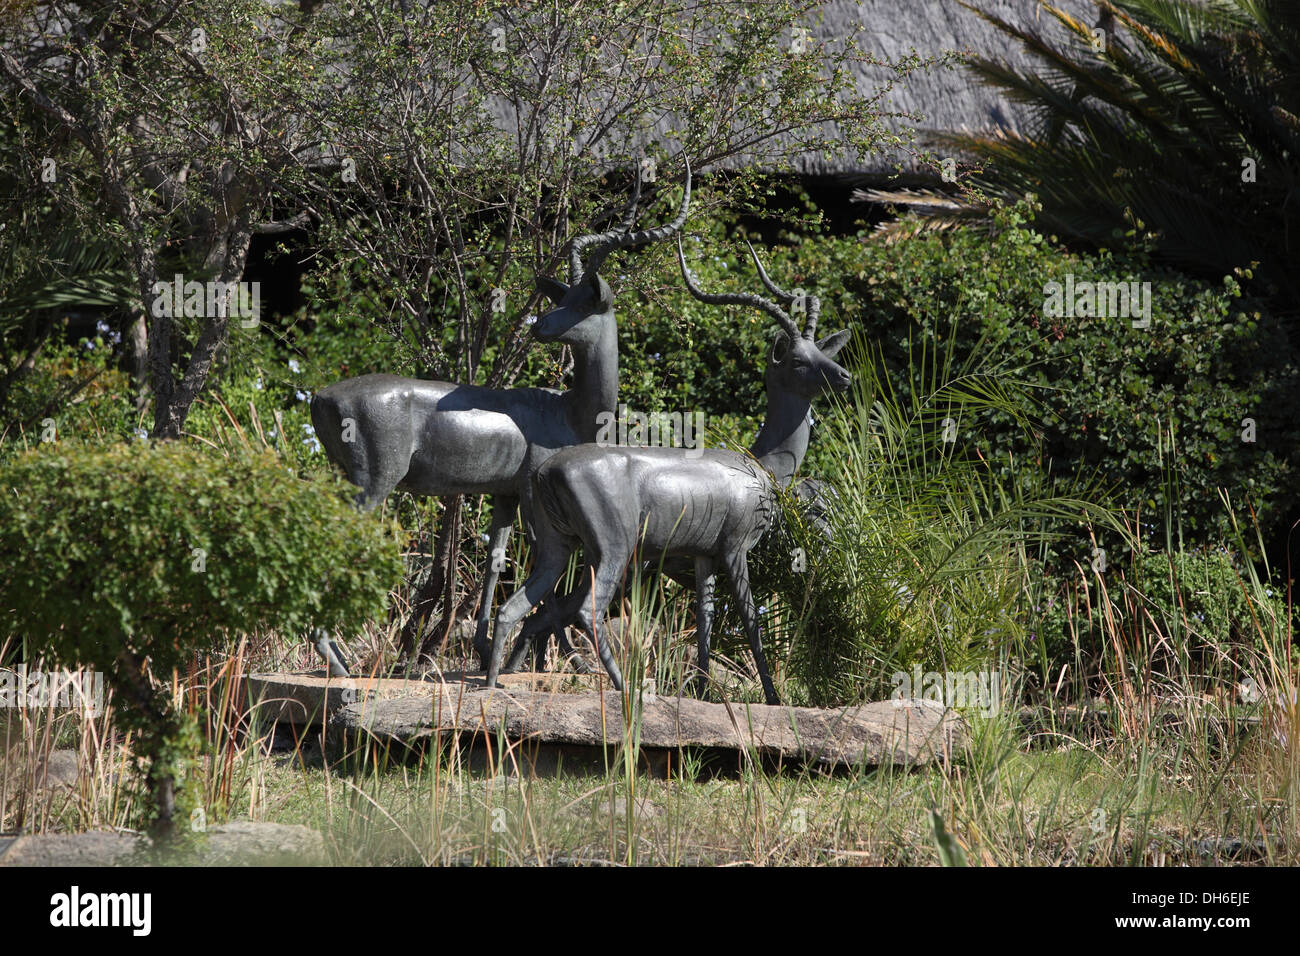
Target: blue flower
[{"x": 294, "y": 366}]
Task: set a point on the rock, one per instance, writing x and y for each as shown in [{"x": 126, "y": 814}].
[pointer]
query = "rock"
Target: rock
[
  {"x": 309, "y": 700},
  {"x": 58, "y": 770},
  {"x": 94, "y": 848},
  {"x": 246, "y": 843},
  {"x": 55, "y": 771},
  {"x": 239, "y": 843},
  {"x": 903, "y": 732}
]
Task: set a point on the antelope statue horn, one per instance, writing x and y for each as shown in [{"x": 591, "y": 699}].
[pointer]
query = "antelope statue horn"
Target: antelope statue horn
[
  {"x": 736, "y": 298},
  {"x": 814, "y": 310},
  {"x": 812, "y": 303},
  {"x": 580, "y": 243},
  {"x": 623, "y": 236}
]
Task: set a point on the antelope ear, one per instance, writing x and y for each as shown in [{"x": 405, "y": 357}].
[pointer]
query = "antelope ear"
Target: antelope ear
[
  {"x": 781, "y": 347},
  {"x": 601, "y": 291},
  {"x": 833, "y": 343},
  {"x": 553, "y": 289}
]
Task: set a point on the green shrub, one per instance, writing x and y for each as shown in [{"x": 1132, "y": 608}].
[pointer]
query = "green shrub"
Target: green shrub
[
  {"x": 71, "y": 391},
  {"x": 1214, "y": 611},
  {"x": 1122, "y": 406},
  {"x": 1155, "y": 415},
  {"x": 131, "y": 558}
]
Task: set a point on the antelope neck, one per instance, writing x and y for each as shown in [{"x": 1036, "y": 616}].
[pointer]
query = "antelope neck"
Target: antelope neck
[
  {"x": 595, "y": 381},
  {"x": 782, "y": 442}
]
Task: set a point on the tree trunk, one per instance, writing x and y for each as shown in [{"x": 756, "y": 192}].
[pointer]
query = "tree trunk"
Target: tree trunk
[
  {"x": 157, "y": 727},
  {"x": 416, "y": 631},
  {"x": 174, "y": 399},
  {"x": 138, "y": 341}
]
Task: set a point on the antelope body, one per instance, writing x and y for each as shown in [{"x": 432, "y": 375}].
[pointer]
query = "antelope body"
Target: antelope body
[
  {"x": 438, "y": 438},
  {"x": 712, "y": 508}
]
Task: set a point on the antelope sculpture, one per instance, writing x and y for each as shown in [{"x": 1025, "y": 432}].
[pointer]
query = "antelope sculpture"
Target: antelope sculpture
[
  {"x": 439, "y": 438},
  {"x": 712, "y": 508}
]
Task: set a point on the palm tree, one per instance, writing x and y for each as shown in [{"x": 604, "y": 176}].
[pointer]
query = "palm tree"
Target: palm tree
[{"x": 1175, "y": 121}]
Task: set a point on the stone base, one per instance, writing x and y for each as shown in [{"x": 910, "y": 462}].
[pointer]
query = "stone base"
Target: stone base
[
  {"x": 309, "y": 700},
  {"x": 671, "y": 732},
  {"x": 238, "y": 843}
]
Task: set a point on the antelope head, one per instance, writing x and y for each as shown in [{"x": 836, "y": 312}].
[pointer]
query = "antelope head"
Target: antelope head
[
  {"x": 799, "y": 364},
  {"x": 586, "y": 293}
]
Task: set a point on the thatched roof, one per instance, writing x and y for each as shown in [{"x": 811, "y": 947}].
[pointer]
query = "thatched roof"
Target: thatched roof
[{"x": 945, "y": 99}]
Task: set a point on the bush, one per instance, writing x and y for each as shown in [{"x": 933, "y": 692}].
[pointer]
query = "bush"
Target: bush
[
  {"x": 71, "y": 390},
  {"x": 131, "y": 558},
  {"x": 1155, "y": 415},
  {"x": 1217, "y": 614},
  {"x": 1151, "y": 416}
]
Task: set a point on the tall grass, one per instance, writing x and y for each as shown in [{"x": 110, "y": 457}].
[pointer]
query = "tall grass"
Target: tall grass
[{"x": 921, "y": 555}]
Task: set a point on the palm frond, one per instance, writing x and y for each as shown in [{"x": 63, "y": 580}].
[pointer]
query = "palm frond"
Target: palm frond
[{"x": 1154, "y": 126}]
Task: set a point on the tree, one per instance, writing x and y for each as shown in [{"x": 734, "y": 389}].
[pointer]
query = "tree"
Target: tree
[
  {"x": 46, "y": 264},
  {"x": 160, "y": 136},
  {"x": 131, "y": 558}
]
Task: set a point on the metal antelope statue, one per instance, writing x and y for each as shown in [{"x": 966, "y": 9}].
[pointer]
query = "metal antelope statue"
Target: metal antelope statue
[
  {"x": 440, "y": 438},
  {"x": 615, "y": 501}
]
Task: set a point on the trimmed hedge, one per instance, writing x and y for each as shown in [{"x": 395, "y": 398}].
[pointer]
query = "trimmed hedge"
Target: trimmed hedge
[{"x": 170, "y": 547}]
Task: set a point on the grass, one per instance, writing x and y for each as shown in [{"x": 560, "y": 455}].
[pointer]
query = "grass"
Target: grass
[{"x": 1195, "y": 786}]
